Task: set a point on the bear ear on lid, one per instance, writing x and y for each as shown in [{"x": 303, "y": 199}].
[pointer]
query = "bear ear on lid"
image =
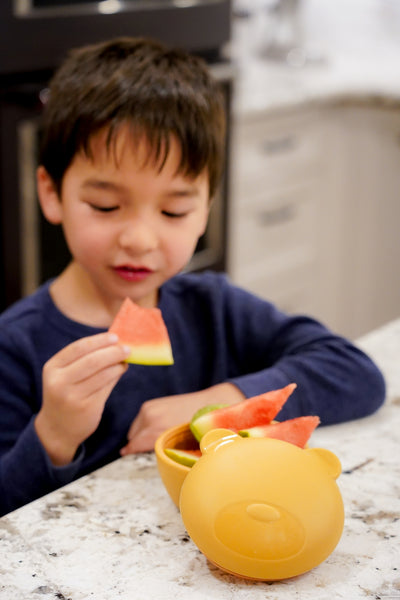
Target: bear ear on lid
[
  {"x": 331, "y": 462},
  {"x": 217, "y": 438}
]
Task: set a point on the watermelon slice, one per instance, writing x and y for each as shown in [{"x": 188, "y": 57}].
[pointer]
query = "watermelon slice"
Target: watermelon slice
[
  {"x": 206, "y": 409},
  {"x": 183, "y": 457},
  {"x": 296, "y": 431},
  {"x": 144, "y": 330},
  {"x": 258, "y": 410}
]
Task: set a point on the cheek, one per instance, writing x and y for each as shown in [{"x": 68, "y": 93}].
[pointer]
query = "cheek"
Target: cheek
[
  {"x": 180, "y": 246},
  {"x": 85, "y": 238}
]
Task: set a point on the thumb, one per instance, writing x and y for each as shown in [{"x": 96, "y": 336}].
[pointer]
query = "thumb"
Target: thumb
[{"x": 143, "y": 441}]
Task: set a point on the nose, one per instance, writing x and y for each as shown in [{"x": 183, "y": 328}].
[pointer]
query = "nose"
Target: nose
[{"x": 138, "y": 236}]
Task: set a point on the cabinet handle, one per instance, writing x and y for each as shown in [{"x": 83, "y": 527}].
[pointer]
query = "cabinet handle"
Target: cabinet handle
[
  {"x": 279, "y": 145},
  {"x": 276, "y": 216}
]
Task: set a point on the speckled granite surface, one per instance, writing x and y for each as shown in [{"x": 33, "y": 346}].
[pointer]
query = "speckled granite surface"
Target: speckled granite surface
[{"x": 116, "y": 534}]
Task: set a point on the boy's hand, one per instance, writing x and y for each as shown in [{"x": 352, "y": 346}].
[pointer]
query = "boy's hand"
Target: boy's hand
[
  {"x": 157, "y": 415},
  {"x": 76, "y": 384}
]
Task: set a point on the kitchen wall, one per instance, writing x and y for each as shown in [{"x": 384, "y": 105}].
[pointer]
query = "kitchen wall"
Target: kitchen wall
[
  {"x": 351, "y": 44},
  {"x": 339, "y": 28}
]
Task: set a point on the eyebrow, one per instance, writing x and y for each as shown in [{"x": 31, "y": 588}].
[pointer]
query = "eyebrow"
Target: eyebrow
[
  {"x": 189, "y": 190},
  {"x": 101, "y": 184}
]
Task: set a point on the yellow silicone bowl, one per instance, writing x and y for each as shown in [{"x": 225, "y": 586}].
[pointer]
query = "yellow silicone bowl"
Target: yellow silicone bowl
[
  {"x": 172, "y": 473},
  {"x": 260, "y": 508}
]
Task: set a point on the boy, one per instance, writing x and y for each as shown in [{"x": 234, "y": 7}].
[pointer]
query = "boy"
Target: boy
[{"x": 132, "y": 149}]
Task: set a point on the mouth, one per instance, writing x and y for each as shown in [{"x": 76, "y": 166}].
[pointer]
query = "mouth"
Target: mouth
[{"x": 130, "y": 273}]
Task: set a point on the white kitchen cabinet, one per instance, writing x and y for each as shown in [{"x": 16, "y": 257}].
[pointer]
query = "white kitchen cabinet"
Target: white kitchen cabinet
[
  {"x": 314, "y": 214},
  {"x": 278, "y": 207},
  {"x": 371, "y": 239}
]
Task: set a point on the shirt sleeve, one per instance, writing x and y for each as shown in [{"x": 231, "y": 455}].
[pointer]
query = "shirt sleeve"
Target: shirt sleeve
[
  {"x": 335, "y": 380},
  {"x": 26, "y": 471}
]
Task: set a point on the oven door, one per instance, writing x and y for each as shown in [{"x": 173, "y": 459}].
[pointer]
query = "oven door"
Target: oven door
[{"x": 32, "y": 250}]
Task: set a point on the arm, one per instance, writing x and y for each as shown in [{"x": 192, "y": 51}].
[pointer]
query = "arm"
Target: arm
[
  {"x": 335, "y": 380},
  {"x": 262, "y": 349}
]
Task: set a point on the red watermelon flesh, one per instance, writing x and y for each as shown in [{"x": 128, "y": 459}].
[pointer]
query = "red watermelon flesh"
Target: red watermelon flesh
[
  {"x": 296, "y": 431},
  {"x": 144, "y": 330},
  {"x": 258, "y": 410}
]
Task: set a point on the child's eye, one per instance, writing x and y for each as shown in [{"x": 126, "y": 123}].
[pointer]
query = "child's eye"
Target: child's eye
[
  {"x": 104, "y": 208},
  {"x": 173, "y": 215}
]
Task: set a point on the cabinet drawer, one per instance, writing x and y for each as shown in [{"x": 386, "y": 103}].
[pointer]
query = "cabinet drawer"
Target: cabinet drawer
[
  {"x": 292, "y": 290},
  {"x": 279, "y": 223},
  {"x": 271, "y": 154}
]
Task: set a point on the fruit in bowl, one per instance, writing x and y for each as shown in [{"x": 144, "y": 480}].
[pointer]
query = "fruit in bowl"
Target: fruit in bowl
[
  {"x": 172, "y": 472},
  {"x": 177, "y": 449}
]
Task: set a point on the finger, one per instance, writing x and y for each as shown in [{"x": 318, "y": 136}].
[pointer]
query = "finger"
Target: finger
[
  {"x": 102, "y": 383},
  {"x": 132, "y": 448},
  {"x": 134, "y": 429},
  {"x": 87, "y": 366},
  {"x": 98, "y": 361},
  {"x": 126, "y": 450},
  {"x": 142, "y": 442},
  {"x": 82, "y": 347}
]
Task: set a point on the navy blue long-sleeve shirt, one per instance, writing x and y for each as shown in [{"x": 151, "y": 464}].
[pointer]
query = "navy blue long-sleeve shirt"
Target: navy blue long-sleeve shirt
[{"x": 218, "y": 332}]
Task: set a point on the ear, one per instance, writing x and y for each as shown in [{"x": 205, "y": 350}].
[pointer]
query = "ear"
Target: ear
[
  {"x": 216, "y": 438},
  {"x": 331, "y": 462},
  {"x": 204, "y": 223},
  {"x": 49, "y": 200}
]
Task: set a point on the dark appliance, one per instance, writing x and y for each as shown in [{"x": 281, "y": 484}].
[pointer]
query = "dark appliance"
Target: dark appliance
[
  {"x": 34, "y": 34},
  {"x": 34, "y": 37}
]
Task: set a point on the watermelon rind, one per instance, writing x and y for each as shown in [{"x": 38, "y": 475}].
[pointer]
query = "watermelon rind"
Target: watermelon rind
[
  {"x": 201, "y": 425},
  {"x": 150, "y": 355},
  {"x": 204, "y": 410},
  {"x": 183, "y": 457},
  {"x": 296, "y": 431}
]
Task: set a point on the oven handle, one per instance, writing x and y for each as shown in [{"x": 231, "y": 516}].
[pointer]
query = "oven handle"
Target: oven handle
[{"x": 29, "y": 214}]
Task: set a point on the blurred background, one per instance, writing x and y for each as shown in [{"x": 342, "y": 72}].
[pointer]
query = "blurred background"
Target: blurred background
[{"x": 308, "y": 212}]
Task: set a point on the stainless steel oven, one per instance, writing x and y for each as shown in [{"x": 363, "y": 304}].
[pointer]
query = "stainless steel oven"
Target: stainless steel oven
[
  {"x": 34, "y": 34},
  {"x": 31, "y": 249}
]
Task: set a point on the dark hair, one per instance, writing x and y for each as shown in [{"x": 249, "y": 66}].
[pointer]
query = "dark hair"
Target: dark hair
[{"x": 156, "y": 90}]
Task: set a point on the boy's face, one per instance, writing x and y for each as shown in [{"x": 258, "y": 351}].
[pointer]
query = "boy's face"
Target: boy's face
[{"x": 128, "y": 225}]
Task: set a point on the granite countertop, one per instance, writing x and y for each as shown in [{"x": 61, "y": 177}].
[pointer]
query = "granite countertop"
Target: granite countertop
[
  {"x": 116, "y": 533},
  {"x": 349, "y": 53}
]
